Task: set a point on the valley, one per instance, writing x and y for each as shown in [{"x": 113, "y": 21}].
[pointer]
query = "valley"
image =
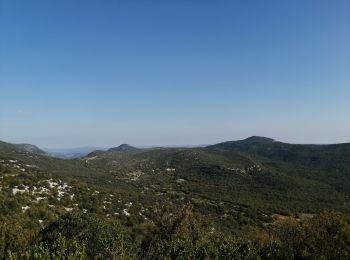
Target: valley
[{"x": 232, "y": 185}]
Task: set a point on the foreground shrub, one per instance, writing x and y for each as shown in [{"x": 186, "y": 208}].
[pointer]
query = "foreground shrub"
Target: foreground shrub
[{"x": 102, "y": 240}]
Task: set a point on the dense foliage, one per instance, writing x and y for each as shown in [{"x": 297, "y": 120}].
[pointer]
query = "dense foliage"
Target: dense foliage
[{"x": 178, "y": 236}]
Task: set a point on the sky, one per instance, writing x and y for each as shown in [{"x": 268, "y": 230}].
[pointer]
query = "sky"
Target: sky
[{"x": 101, "y": 73}]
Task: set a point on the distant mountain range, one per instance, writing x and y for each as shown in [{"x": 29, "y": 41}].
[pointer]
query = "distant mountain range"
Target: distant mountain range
[
  {"x": 83, "y": 151},
  {"x": 72, "y": 152},
  {"x": 69, "y": 153}
]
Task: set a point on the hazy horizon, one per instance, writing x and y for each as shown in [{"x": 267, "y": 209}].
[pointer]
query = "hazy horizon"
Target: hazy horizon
[
  {"x": 94, "y": 73},
  {"x": 97, "y": 147}
]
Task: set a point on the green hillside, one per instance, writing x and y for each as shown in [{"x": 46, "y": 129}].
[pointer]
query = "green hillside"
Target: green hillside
[
  {"x": 232, "y": 187},
  {"x": 232, "y": 183},
  {"x": 329, "y": 164}
]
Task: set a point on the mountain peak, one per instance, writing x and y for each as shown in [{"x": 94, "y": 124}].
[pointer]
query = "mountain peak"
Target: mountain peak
[
  {"x": 257, "y": 139},
  {"x": 123, "y": 148}
]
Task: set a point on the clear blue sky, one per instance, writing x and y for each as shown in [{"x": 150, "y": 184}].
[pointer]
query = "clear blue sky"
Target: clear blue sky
[{"x": 76, "y": 73}]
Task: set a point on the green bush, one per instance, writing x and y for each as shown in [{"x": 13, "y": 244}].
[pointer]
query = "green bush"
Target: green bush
[{"x": 103, "y": 240}]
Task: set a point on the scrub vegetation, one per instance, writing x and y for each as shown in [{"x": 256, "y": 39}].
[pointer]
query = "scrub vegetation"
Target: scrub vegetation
[{"x": 250, "y": 199}]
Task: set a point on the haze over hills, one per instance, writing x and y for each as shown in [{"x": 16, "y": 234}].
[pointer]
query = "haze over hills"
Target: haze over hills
[
  {"x": 68, "y": 153},
  {"x": 72, "y": 152},
  {"x": 83, "y": 151}
]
